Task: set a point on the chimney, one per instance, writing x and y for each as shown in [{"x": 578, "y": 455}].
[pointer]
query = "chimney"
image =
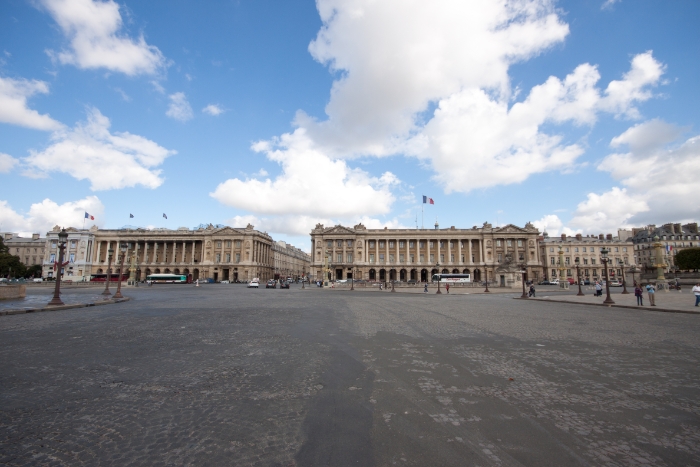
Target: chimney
[
  {"x": 601, "y": 237},
  {"x": 608, "y": 237},
  {"x": 35, "y": 236},
  {"x": 579, "y": 236},
  {"x": 692, "y": 227},
  {"x": 563, "y": 236},
  {"x": 8, "y": 236},
  {"x": 678, "y": 229}
]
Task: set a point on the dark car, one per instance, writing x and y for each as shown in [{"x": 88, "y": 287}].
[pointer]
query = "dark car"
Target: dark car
[
  {"x": 284, "y": 285},
  {"x": 271, "y": 284},
  {"x": 586, "y": 282},
  {"x": 545, "y": 282}
]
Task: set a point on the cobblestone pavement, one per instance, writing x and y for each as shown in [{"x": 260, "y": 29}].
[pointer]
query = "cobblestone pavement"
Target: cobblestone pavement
[{"x": 224, "y": 375}]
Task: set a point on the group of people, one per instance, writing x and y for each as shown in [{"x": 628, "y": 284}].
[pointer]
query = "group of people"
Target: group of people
[{"x": 639, "y": 293}]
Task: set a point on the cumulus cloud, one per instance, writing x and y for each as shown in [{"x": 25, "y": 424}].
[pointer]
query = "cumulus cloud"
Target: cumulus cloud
[
  {"x": 659, "y": 178},
  {"x": 296, "y": 192},
  {"x": 7, "y": 162},
  {"x": 108, "y": 160},
  {"x": 213, "y": 109},
  {"x": 43, "y": 216},
  {"x": 13, "y": 104},
  {"x": 94, "y": 30},
  {"x": 553, "y": 225},
  {"x": 179, "y": 108}
]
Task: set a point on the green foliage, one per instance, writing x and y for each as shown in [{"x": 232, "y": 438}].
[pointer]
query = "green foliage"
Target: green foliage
[
  {"x": 11, "y": 266},
  {"x": 688, "y": 259},
  {"x": 3, "y": 248},
  {"x": 34, "y": 271}
]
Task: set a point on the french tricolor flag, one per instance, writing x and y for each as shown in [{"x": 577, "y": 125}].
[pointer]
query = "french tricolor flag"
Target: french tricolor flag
[
  {"x": 88, "y": 216},
  {"x": 427, "y": 200}
]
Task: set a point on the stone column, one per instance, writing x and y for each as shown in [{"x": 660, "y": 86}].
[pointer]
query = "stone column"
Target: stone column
[
  {"x": 155, "y": 252},
  {"x": 192, "y": 256},
  {"x": 184, "y": 247},
  {"x": 469, "y": 260},
  {"x": 437, "y": 258},
  {"x": 99, "y": 248},
  {"x": 459, "y": 252},
  {"x": 449, "y": 251}
]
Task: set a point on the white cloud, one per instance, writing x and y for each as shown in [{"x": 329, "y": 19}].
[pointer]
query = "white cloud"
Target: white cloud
[
  {"x": 553, "y": 225},
  {"x": 620, "y": 95},
  {"x": 7, "y": 162},
  {"x": 179, "y": 108},
  {"x": 13, "y": 104},
  {"x": 213, "y": 109},
  {"x": 158, "y": 87},
  {"x": 659, "y": 178},
  {"x": 124, "y": 95},
  {"x": 94, "y": 29},
  {"x": 108, "y": 160},
  {"x": 608, "y": 4},
  {"x": 43, "y": 216},
  {"x": 335, "y": 189}
]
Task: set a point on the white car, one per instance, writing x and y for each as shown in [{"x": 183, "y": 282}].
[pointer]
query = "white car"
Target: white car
[
  {"x": 255, "y": 283},
  {"x": 38, "y": 279},
  {"x": 225, "y": 282},
  {"x": 554, "y": 282}
]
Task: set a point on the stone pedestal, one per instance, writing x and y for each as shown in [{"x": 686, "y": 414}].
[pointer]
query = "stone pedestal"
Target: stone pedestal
[{"x": 564, "y": 284}]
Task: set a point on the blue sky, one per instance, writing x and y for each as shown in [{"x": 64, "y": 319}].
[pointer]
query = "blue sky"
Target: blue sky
[{"x": 580, "y": 116}]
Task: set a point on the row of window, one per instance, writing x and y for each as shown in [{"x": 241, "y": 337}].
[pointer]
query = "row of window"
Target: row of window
[
  {"x": 591, "y": 249},
  {"x": 228, "y": 258},
  {"x": 412, "y": 258},
  {"x": 228, "y": 243},
  {"x": 675, "y": 237},
  {"x": 586, "y": 272},
  {"x": 682, "y": 244},
  {"x": 421, "y": 244},
  {"x": 567, "y": 260}
]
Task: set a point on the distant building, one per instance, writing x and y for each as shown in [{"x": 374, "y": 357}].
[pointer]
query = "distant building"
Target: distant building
[
  {"x": 29, "y": 250},
  {"x": 673, "y": 238},
  {"x": 587, "y": 249},
  {"x": 209, "y": 252},
  {"x": 289, "y": 261}
]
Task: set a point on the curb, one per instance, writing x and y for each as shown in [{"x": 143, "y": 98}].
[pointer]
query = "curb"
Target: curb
[
  {"x": 646, "y": 308},
  {"x": 21, "y": 311}
]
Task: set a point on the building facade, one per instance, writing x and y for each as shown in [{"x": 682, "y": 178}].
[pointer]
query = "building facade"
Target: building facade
[
  {"x": 29, "y": 250},
  {"x": 673, "y": 238},
  {"x": 588, "y": 250},
  {"x": 340, "y": 252},
  {"x": 289, "y": 261},
  {"x": 218, "y": 253}
]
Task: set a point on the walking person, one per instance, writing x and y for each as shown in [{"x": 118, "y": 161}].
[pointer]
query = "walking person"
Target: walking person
[
  {"x": 532, "y": 290},
  {"x": 651, "y": 290},
  {"x": 696, "y": 291},
  {"x": 447, "y": 287},
  {"x": 598, "y": 289},
  {"x": 639, "y": 293},
  {"x": 425, "y": 290},
  {"x": 678, "y": 285}
]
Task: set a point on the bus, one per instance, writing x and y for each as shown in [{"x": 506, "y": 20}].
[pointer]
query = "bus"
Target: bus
[
  {"x": 452, "y": 278},
  {"x": 168, "y": 278},
  {"x": 112, "y": 277}
]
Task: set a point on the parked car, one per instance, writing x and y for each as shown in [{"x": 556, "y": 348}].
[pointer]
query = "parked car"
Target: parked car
[
  {"x": 545, "y": 282},
  {"x": 615, "y": 283},
  {"x": 271, "y": 284},
  {"x": 284, "y": 285},
  {"x": 586, "y": 282},
  {"x": 255, "y": 283},
  {"x": 38, "y": 279},
  {"x": 571, "y": 280},
  {"x": 554, "y": 282},
  {"x": 225, "y": 282}
]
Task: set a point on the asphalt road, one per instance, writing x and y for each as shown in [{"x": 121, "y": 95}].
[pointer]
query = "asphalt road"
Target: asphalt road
[{"x": 223, "y": 375}]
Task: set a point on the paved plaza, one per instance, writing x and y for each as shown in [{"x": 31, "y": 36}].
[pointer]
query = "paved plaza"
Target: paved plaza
[{"x": 224, "y": 375}]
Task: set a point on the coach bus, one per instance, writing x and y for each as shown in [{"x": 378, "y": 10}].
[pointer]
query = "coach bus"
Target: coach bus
[
  {"x": 452, "y": 278},
  {"x": 103, "y": 277},
  {"x": 168, "y": 278}
]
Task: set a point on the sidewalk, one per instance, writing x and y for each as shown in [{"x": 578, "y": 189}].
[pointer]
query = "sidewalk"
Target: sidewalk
[
  {"x": 667, "y": 301},
  {"x": 38, "y": 303}
]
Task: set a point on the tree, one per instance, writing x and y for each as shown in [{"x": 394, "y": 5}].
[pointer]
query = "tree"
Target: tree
[
  {"x": 3, "y": 248},
  {"x": 34, "y": 271},
  {"x": 11, "y": 264},
  {"x": 688, "y": 259}
]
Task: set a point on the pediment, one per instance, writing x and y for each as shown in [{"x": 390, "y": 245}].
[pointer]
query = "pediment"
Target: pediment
[
  {"x": 510, "y": 228},
  {"x": 338, "y": 230},
  {"x": 227, "y": 231}
]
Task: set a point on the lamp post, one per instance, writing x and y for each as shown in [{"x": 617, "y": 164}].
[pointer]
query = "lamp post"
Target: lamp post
[
  {"x": 132, "y": 270},
  {"x": 392, "y": 284},
  {"x": 604, "y": 253},
  {"x": 123, "y": 247},
  {"x": 352, "y": 280},
  {"x": 578, "y": 276},
  {"x": 110, "y": 252},
  {"x": 486, "y": 274},
  {"x": 62, "y": 237},
  {"x": 523, "y": 270},
  {"x": 624, "y": 282},
  {"x": 437, "y": 266}
]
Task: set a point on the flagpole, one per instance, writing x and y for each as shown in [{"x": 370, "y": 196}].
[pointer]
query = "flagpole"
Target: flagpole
[{"x": 422, "y": 224}]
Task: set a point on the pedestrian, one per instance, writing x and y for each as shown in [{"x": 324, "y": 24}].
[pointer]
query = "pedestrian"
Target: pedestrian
[
  {"x": 696, "y": 291},
  {"x": 598, "y": 289},
  {"x": 447, "y": 287},
  {"x": 678, "y": 285},
  {"x": 639, "y": 293},
  {"x": 651, "y": 290},
  {"x": 425, "y": 290},
  {"x": 532, "y": 290},
  {"x": 380, "y": 286}
]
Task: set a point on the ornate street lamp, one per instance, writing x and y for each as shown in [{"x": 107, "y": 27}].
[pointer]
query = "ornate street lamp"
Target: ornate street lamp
[
  {"x": 604, "y": 253},
  {"x": 578, "y": 276},
  {"x": 437, "y": 266},
  {"x": 486, "y": 273},
  {"x": 62, "y": 238},
  {"x": 392, "y": 284},
  {"x": 110, "y": 252},
  {"x": 523, "y": 270},
  {"x": 123, "y": 247},
  {"x": 624, "y": 282}
]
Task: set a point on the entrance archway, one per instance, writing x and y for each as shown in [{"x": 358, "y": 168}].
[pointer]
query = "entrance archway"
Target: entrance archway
[
  {"x": 372, "y": 275},
  {"x": 455, "y": 271},
  {"x": 402, "y": 275},
  {"x": 382, "y": 274},
  {"x": 424, "y": 275},
  {"x": 445, "y": 271},
  {"x": 414, "y": 273},
  {"x": 392, "y": 274},
  {"x": 195, "y": 275},
  {"x": 466, "y": 271},
  {"x": 477, "y": 275}
]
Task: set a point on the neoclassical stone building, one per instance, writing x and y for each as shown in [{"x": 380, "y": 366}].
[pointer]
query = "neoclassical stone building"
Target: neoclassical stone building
[
  {"x": 219, "y": 253},
  {"x": 340, "y": 252},
  {"x": 289, "y": 261},
  {"x": 29, "y": 250}
]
